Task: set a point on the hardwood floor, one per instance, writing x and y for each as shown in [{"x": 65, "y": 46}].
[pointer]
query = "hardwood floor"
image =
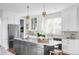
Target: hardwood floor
[
  {"x": 13, "y": 50},
  {"x": 62, "y": 54},
  {"x": 3, "y": 51}
]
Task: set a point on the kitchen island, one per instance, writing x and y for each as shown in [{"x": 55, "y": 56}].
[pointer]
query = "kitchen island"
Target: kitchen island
[{"x": 33, "y": 47}]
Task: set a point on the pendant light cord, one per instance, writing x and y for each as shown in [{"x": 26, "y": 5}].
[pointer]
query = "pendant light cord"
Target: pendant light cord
[
  {"x": 27, "y": 10},
  {"x": 44, "y": 7}
]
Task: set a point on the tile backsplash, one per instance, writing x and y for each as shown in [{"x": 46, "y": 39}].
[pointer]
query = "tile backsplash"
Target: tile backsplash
[{"x": 71, "y": 34}]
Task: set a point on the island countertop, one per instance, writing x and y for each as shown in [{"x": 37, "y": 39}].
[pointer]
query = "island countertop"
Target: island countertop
[{"x": 36, "y": 42}]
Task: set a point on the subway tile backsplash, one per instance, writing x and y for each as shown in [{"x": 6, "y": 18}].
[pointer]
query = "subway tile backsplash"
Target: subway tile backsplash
[{"x": 71, "y": 34}]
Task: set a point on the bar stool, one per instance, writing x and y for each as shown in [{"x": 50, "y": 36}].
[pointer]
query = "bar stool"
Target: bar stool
[{"x": 56, "y": 52}]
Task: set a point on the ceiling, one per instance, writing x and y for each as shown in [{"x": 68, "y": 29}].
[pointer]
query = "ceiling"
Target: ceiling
[{"x": 35, "y": 8}]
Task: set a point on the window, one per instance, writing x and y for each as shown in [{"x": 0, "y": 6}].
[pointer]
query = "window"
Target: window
[{"x": 53, "y": 25}]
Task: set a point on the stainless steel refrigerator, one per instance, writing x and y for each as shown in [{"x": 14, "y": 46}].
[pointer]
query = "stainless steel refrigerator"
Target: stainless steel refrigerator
[{"x": 13, "y": 33}]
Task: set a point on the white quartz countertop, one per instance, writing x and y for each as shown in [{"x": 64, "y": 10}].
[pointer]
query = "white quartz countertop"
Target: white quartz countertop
[{"x": 35, "y": 41}]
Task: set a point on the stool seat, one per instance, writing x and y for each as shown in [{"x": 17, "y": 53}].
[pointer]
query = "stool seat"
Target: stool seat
[{"x": 56, "y": 52}]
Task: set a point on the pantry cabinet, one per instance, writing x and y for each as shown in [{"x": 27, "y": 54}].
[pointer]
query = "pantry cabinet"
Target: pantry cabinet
[
  {"x": 70, "y": 19},
  {"x": 27, "y": 25},
  {"x": 70, "y": 46},
  {"x": 21, "y": 28}
]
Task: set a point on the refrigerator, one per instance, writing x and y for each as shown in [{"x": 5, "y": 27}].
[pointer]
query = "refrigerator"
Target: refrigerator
[{"x": 13, "y": 33}]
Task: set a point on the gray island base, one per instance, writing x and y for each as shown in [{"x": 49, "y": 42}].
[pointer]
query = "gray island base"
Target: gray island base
[{"x": 24, "y": 47}]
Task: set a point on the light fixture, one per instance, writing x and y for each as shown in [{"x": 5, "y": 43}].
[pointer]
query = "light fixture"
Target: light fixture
[
  {"x": 27, "y": 17},
  {"x": 44, "y": 11}
]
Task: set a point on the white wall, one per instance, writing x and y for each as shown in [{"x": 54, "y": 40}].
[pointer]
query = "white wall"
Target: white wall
[
  {"x": 8, "y": 18},
  {"x": 0, "y": 26},
  {"x": 49, "y": 17},
  {"x": 0, "y": 30},
  {"x": 78, "y": 17},
  {"x": 53, "y": 15}
]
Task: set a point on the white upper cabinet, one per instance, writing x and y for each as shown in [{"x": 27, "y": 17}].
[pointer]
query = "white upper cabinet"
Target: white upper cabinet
[
  {"x": 31, "y": 24},
  {"x": 70, "y": 19},
  {"x": 34, "y": 24}
]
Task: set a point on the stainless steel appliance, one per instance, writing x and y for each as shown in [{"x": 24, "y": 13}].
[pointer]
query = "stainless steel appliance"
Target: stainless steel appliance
[{"x": 13, "y": 32}]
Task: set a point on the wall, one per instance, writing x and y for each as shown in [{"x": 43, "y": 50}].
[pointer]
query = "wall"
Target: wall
[
  {"x": 8, "y": 18},
  {"x": 0, "y": 30},
  {"x": 53, "y": 15},
  {"x": 78, "y": 17},
  {"x": 49, "y": 17},
  {"x": 0, "y": 26}
]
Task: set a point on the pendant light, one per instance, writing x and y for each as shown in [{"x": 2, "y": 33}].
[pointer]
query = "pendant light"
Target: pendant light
[
  {"x": 27, "y": 17},
  {"x": 44, "y": 11}
]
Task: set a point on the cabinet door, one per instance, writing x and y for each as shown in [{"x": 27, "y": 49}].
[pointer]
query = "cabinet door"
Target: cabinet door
[
  {"x": 27, "y": 48},
  {"x": 21, "y": 47},
  {"x": 17, "y": 46},
  {"x": 33, "y": 49},
  {"x": 70, "y": 46},
  {"x": 65, "y": 45},
  {"x": 73, "y": 46},
  {"x": 65, "y": 20},
  {"x": 14, "y": 45},
  {"x": 76, "y": 47},
  {"x": 33, "y": 23},
  {"x": 69, "y": 19},
  {"x": 40, "y": 51}
]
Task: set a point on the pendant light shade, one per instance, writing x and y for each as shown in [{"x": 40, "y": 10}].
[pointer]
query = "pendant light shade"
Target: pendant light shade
[
  {"x": 44, "y": 11},
  {"x": 27, "y": 17}
]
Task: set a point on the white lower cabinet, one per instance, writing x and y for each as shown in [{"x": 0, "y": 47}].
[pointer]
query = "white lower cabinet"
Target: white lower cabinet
[{"x": 70, "y": 46}]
